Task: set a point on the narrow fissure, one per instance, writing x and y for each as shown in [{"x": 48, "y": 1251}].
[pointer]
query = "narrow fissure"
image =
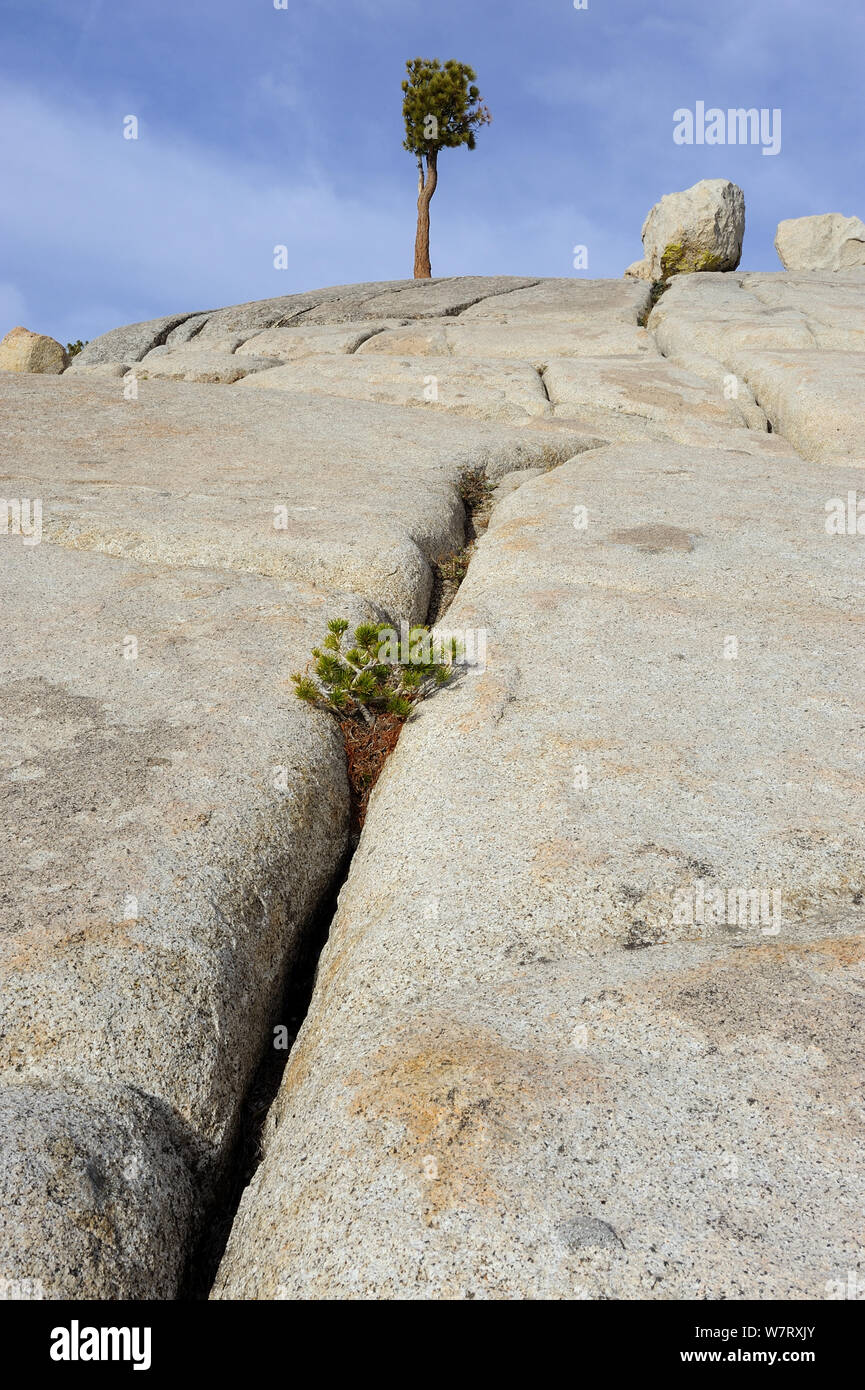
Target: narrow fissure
[
  {"x": 162, "y": 337},
  {"x": 367, "y": 749},
  {"x": 373, "y": 333},
  {"x": 449, "y": 571},
  {"x": 247, "y": 1152},
  {"x": 658, "y": 288},
  {"x": 456, "y": 309},
  {"x": 198, "y": 329}
]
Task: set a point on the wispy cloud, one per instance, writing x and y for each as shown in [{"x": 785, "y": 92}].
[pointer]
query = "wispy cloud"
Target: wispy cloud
[{"x": 167, "y": 227}]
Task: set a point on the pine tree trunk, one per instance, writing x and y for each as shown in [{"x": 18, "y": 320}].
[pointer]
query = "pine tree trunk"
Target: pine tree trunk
[{"x": 426, "y": 188}]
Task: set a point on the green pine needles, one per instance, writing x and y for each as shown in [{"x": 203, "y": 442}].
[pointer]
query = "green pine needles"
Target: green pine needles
[
  {"x": 376, "y": 670},
  {"x": 442, "y": 107}
]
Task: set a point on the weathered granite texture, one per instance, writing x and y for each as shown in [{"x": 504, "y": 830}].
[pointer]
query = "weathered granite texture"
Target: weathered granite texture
[{"x": 541, "y": 1060}]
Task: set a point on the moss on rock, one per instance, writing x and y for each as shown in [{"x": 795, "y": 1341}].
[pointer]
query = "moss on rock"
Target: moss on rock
[{"x": 678, "y": 258}]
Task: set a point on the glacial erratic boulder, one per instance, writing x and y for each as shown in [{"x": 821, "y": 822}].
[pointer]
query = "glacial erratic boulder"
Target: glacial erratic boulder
[
  {"x": 23, "y": 351},
  {"x": 828, "y": 241},
  {"x": 699, "y": 229}
]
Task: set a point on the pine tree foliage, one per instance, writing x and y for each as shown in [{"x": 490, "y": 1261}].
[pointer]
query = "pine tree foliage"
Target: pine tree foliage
[
  {"x": 441, "y": 105},
  {"x": 359, "y": 676}
]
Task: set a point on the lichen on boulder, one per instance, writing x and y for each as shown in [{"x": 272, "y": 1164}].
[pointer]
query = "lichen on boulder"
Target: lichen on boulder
[{"x": 700, "y": 229}]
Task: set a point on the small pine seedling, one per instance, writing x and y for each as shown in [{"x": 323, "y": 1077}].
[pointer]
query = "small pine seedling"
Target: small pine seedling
[{"x": 359, "y": 676}]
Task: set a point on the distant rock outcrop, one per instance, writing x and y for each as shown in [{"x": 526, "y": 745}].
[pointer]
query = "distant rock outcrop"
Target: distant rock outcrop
[
  {"x": 701, "y": 228},
  {"x": 828, "y": 241},
  {"x": 23, "y": 351}
]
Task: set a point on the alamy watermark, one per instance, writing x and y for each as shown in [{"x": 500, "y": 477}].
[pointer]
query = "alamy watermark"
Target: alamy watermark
[
  {"x": 17, "y": 518},
  {"x": 845, "y": 518},
  {"x": 418, "y": 646},
  {"x": 77, "y": 1343},
  {"x": 21, "y": 1290},
  {"x": 713, "y": 906},
  {"x": 735, "y": 126},
  {"x": 853, "y": 1287}
]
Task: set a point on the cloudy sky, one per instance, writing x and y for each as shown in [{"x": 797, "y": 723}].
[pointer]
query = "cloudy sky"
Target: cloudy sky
[{"x": 261, "y": 126}]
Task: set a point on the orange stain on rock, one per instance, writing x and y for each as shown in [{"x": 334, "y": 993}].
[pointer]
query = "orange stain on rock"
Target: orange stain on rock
[{"x": 463, "y": 1099}]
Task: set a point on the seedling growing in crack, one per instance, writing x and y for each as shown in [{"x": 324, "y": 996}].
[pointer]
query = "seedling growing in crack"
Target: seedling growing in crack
[
  {"x": 370, "y": 682},
  {"x": 361, "y": 679}
]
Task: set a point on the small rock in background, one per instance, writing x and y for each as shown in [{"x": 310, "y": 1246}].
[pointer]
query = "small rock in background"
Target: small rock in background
[
  {"x": 828, "y": 241},
  {"x": 701, "y": 228},
  {"x": 23, "y": 351}
]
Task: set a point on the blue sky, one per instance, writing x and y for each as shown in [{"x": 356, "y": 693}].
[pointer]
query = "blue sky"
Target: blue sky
[{"x": 262, "y": 126}]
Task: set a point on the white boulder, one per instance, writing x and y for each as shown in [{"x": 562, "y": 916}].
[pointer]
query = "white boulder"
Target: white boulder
[{"x": 828, "y": 241}]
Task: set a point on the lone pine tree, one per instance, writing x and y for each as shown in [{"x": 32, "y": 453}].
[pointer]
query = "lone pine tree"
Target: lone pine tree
[{"x": 442, "y": 109}]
